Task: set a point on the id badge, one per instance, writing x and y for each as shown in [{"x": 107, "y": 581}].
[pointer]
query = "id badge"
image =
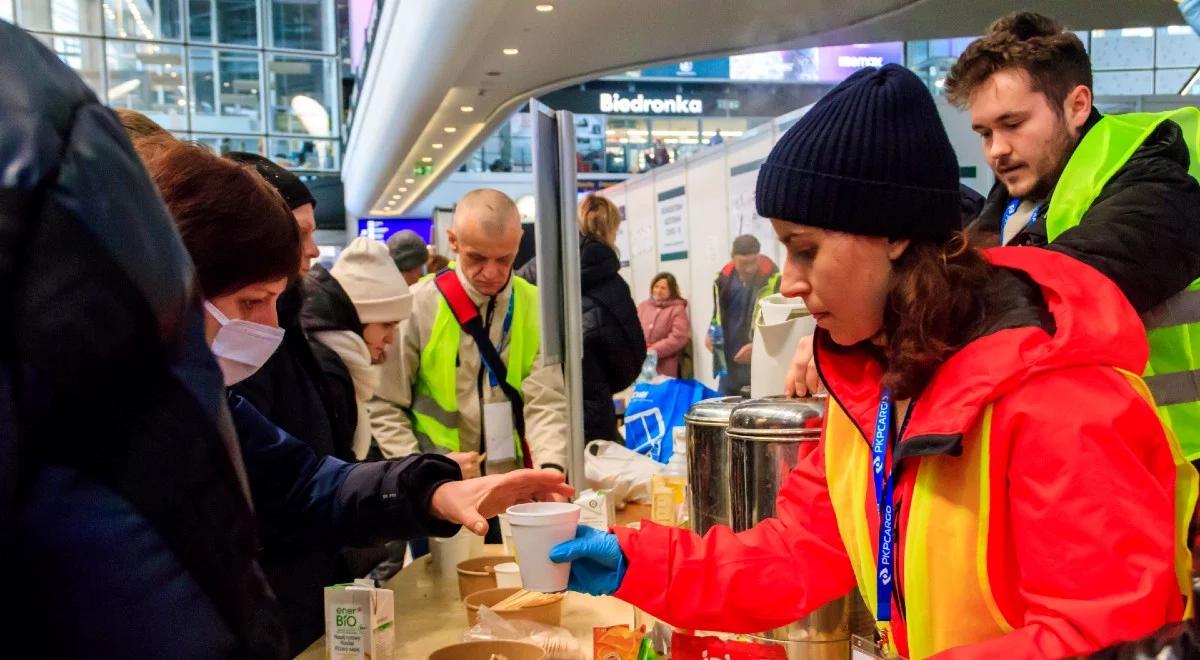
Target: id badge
[{"x": 498, "y": 431}]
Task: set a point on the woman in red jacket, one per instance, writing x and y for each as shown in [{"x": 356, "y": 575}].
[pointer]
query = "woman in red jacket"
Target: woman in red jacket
[
  {"x": 665, "y": 323},
  {"x": 992, "y": 475}
]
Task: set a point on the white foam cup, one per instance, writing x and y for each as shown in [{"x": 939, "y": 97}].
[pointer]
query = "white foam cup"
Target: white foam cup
[
  {"x": 537, "y": 527},
  {"x": 508, "y": 574},
  {"x": 448, "y": 553},
  {"x": 506, "y": 534}
]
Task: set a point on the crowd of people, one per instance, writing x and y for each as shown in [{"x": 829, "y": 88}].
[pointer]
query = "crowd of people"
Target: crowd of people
[{"x": 1013, "y": 391}]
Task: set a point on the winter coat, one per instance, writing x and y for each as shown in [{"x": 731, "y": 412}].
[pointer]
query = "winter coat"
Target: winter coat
[
  {"x": 1142, "y": 230},
  {"x": 128, "y": 488},
  {"x": 736, "y": 317},
  {"x": 1080, "y": 538},
  {"x": 614, "y": 347},
  {"x": 667, "y": 329},
  {"x": 328, "y": 308},
  {"x": 289, "y": 388},
  {"x": 545, "y": 404}
]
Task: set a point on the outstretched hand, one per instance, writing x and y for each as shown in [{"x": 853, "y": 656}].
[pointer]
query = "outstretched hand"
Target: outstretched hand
[{"x": 471, "y": 502}]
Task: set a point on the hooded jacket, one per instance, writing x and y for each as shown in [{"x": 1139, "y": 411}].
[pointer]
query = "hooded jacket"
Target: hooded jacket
[
  {"x": 667, "y": 329},
  {"x": 1082, "y": 541},
  {"x": 327, "y": 308}
]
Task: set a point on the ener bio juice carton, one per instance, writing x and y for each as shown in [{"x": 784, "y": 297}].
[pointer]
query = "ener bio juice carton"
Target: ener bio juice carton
[{"x": 359, "y": 622}]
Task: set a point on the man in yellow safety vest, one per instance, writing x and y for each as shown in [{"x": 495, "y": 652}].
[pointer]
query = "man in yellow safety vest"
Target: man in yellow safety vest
[
  {"x": 1113, "y": 191},
  {"x": 439, "y": 393}
]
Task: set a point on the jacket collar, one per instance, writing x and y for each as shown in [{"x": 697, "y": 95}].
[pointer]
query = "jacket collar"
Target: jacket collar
[
  {"x": 478, "y": 298},
  {"x": 1035, "y": 325}
]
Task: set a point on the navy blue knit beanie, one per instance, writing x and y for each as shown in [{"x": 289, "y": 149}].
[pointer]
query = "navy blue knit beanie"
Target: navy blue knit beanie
[{"x": 869, "y": 158}]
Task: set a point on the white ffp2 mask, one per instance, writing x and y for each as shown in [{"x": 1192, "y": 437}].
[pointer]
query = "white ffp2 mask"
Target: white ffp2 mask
[{"x": 242, "y": 347}]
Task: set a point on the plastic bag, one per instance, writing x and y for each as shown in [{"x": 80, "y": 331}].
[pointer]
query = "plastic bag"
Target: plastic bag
[
  {"x": 558, "y": 643},
  {"x": 624, "y": 473},
  {"x": 655, "y": 409}
]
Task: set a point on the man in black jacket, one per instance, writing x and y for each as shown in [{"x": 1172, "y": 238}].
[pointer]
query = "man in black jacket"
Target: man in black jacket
[{"x": 1027, "y": 84}]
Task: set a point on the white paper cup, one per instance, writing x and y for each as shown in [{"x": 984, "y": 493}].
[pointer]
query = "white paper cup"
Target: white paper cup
[
  {"x": 537, "y": 527},
  {"x": 506, "y": 534},
  {"x": 508, "y": 574},
  {"x": 447, "y": 553}
]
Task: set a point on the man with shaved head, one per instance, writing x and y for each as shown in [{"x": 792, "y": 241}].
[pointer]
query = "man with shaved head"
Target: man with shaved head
[{"x": 437, "y": 393}]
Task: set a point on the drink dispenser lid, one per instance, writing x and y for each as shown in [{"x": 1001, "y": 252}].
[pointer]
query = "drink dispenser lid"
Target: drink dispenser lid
[
  {"x": 779, "y": 416},
  {"x": 713, "y": 412}
]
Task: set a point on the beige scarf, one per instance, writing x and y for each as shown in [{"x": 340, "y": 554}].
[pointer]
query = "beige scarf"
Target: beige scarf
[{"x": 354, "y": 353}]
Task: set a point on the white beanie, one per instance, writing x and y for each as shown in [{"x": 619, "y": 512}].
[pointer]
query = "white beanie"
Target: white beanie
[{"x": 369, "y": 276}]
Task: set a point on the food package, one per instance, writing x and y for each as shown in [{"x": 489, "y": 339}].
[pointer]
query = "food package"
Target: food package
[
  {"x": 668, "y": 499},
  {"x": 621, "y": 643},
  {"x": 359, "y": 622},
  {"x": 599, "y": 510},
  {"x": 694, "y": 647}
]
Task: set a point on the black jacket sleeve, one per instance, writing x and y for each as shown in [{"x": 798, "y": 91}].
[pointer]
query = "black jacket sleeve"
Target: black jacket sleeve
[
  {"x": 1143, "y": 231},
  {"x": 326, "y": 502}
]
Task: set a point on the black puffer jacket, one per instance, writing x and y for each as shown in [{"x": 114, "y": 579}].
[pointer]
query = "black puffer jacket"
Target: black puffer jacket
[
  {"x": 1143, "y": 230},
  {"x": 328, "y": 307},
  {"x": 290, "y": 388},
  {"x": 613, "y": 344},
  {"x": 128, "y": 515}
]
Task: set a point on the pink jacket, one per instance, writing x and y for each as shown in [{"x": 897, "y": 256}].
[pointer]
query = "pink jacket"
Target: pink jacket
[{"x": 667, "y": 328}]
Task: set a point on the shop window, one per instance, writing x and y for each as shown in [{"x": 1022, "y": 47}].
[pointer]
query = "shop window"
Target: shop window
[
  {"x": 223, "y": 144},
  {"x": 1123, "y": 83},
  {"x": 148, "y": 78},
  {"x": 226, "y": 91},
  {"x": 1170, "y": 81},
  {"x": 305, "y": 153},
  {"x": 1129, "y": 48},
  {"x": 65, "y": 16},
  {"x": 232, "y": 22},
  {"x": 84, "y": 55},
  {"x": 1176, "y": 46},
  {"x": 303, "y": 95},
  {"x": 302, "y": 24},
  {"x": 151, "y": 20}
]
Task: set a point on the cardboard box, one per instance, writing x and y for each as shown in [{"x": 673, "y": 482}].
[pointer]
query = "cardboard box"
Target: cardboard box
[
  {"x": 599, "y": 509},
  {"x": 359, "y": 622}
]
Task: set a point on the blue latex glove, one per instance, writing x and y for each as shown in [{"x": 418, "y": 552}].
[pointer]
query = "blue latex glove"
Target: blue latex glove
[{"x": 597, "y": 563}]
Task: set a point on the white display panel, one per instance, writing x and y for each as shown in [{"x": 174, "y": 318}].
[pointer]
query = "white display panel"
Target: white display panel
[
  {"x": 708, "y": 197},
  {"x": 743, "y": 162},
  {"x": 640, "y": 210},
  {"x": 616, "y": 195}
]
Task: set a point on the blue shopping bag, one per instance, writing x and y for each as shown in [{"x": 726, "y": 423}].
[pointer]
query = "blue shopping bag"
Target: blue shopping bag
[{"x": 656, "y": 409}]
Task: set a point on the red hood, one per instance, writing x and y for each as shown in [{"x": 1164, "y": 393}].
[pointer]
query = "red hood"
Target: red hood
[{"x": 1094, "y": 326}]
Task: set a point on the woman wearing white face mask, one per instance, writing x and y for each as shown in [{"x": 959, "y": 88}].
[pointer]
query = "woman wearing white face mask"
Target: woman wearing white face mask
[{"x": 245, "y": 246}]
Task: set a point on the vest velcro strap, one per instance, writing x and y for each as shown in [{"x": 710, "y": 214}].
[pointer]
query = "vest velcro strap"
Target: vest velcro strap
[
  {"x": 1174, "y": 388},
  {"x": 1180, "y": 309},
  {"x": 430, "y": 408}
]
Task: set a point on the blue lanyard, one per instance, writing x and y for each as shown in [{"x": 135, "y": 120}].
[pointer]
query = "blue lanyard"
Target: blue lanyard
[
  {"x": 1011, "y": 209},
  {"x": 885, "y": 559},
  {"x": 508, "y": 317}
]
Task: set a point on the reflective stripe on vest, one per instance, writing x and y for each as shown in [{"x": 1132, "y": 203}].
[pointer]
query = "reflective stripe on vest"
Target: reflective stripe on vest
[
  {"x": 434, "y": 411},
  {"x": 949, "y": 600},
  {"x": 945, "y": 606},
  {"x": 1173, "y": 328}
]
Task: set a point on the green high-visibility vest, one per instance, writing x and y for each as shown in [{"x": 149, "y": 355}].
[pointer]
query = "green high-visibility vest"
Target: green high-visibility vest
[
  {"x": 434, "y": 411},
  {"x": 1173, "y": 328}
]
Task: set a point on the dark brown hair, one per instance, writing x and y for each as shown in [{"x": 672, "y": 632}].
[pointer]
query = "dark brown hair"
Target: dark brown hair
[
  {"x": 436, "y": 263},
  {"x": 236, "y": 227},
  {"x": 672, "y": 284},
  {"x": 935, "y": 306},
  {"x": 1054, "y": 58},
  {"x": 745, "y": 245}
]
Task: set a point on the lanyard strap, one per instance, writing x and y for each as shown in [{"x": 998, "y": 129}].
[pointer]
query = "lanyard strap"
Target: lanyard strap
[
  {"x": 1011, "y": 209},
  {"x": 508, "y": 318},
  {"x": 884, "y": 484}
]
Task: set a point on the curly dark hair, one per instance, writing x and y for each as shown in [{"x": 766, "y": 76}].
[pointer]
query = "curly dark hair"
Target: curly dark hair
[{"x": 1053, "y": 57}]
